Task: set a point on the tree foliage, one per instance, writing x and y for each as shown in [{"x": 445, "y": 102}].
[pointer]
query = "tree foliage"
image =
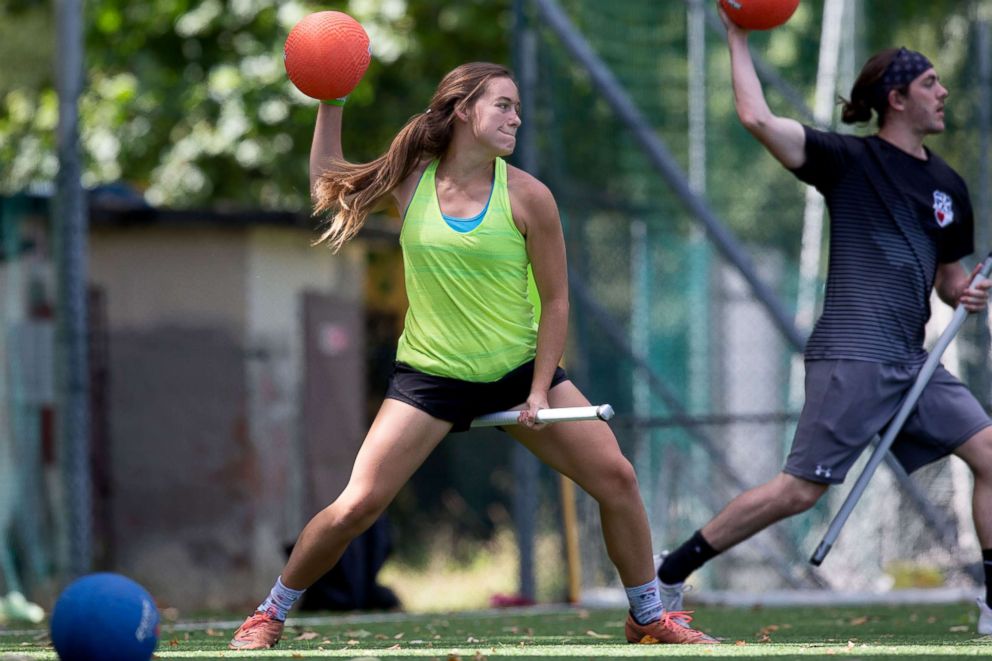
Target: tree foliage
[{"x": 189, "y": 101}]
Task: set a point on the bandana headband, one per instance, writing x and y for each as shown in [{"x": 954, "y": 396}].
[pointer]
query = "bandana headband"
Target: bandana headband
[{"x": 904, "y": 68}]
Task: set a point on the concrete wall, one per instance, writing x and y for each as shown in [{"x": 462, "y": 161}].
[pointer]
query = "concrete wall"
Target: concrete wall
[{"x": 205, "y": 371}]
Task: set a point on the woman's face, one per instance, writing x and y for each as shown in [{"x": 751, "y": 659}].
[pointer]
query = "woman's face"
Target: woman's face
[{"x": 495, "y": 117}]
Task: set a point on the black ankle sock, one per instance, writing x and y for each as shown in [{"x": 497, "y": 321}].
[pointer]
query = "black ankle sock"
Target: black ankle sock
[
  {"x": 686, "y": 559},
  {"x": 987, "y": 566}
]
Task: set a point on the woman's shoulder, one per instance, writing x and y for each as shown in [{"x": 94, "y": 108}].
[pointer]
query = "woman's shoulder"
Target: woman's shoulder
[
  {"x": 526, "y": 188},
  {"x": 532, "y": 202}
]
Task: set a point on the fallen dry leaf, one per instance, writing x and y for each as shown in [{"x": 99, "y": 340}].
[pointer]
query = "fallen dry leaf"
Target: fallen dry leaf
[
  {"x": 471, "y": 639},
  {"x": 397, "y": 646},
  {"x": 740, "y": 643},
  {"x": 859, "y": 620},
  {"x": 306, "y": 635},
  {"x": 960, "y": 627},
  {"x": 593, "y": 634}
]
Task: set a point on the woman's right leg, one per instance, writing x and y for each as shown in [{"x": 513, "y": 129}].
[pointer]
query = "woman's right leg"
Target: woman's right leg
[{"x": 400, "y": 439}]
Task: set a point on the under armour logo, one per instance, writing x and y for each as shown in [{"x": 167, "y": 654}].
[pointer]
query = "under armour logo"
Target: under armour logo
[{"x": 822, "y": 471}]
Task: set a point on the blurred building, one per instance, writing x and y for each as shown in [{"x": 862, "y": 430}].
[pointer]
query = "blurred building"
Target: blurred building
[{"x": 228, "y": 364}]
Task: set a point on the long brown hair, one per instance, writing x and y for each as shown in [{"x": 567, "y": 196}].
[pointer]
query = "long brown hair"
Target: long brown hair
[
  {"x": 352, "y": 190},
  {"x": 865, "y": 94}
]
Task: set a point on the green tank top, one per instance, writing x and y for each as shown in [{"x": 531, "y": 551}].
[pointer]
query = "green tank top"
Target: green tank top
[{"x": 471, "y": 316}]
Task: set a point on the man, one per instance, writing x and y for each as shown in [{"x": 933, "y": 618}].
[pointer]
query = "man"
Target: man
[{"x": 900, "y": 221}]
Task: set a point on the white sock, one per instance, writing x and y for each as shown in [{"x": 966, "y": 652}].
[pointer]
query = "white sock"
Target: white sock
[
  {"x": 280, "y": 600},
  {"x": 645, "y": 602}
]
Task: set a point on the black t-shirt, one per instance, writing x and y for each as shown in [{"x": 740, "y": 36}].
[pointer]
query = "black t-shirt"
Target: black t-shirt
[{"x": 893, "y": 219}]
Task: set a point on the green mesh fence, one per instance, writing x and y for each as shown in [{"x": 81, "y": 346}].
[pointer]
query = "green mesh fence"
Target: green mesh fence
[{"x": 655, "y": 284}]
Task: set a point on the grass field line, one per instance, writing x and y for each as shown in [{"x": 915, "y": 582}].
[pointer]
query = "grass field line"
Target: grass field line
[
  {"x": 582, "y": 652},
  {"x": 615, "y": 598},
  {"x": 591, "y": 652}
]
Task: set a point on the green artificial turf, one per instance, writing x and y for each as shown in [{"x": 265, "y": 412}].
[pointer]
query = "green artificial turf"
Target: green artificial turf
[{"x": 868, "y": 632}]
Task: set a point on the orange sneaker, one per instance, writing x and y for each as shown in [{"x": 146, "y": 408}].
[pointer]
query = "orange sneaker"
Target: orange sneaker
[
  {"x": 673, "y": 627},
  {"x": 261, "y": 631}
]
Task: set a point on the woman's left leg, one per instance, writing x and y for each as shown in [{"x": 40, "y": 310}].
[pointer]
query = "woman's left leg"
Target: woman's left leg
[{"x": 588, "y": 453}]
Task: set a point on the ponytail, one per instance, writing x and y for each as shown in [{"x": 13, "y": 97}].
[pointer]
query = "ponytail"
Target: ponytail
[{"x": 351, "y": 191}]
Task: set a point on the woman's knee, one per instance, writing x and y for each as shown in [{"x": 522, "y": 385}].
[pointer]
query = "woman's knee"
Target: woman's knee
[
  {"x": 354, "y": 514},
  {"x": 615, "y": 480}
]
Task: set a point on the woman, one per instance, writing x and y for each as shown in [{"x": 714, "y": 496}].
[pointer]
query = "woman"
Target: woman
[{"x": 471, "y": 227}]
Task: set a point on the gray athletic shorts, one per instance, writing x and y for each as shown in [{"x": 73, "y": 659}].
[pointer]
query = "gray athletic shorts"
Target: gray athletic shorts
[{"x": 849, "y": 401}]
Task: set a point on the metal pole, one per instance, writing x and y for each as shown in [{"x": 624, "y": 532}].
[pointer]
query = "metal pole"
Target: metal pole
[
  {"x": 525, "y": 465},
  {"x": 640, "y": 341},
  {"x": 976, "y": 358},
  {"x": 69, "y": 223},
  {"x": 666, "y": 165},
  {"x": 699, "y": 261},
  {"x": 812, "y": 240}
]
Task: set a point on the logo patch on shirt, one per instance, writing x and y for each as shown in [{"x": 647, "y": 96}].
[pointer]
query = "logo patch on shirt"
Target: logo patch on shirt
[{"x": 943, "y": 208}]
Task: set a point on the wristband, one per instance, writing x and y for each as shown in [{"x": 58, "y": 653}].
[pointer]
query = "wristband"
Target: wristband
[{"x": 336, "y": 102}]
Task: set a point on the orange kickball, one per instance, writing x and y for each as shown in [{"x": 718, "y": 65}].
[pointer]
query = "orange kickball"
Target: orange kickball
[
  {"x": 759, "y": 14},
  {"x": 327, "y": 53}
]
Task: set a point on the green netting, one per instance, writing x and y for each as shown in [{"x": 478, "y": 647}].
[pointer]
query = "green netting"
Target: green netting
[{"x": 674, "y": 299}]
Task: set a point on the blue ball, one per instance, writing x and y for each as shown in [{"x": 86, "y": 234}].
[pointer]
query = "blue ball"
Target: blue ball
[{"x": 105, "y": 616}]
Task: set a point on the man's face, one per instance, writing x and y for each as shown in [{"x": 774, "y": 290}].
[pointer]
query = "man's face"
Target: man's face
[{"x": 924, "y": 103}]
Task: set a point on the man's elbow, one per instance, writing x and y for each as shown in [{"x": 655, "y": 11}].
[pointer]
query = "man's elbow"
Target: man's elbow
[{"x": 752, "y": 120}]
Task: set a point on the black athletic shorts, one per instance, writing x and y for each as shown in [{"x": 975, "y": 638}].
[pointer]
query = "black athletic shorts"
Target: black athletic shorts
[
  {"x": 849, "y": 401},
  {"x": 460, "y": 401}
]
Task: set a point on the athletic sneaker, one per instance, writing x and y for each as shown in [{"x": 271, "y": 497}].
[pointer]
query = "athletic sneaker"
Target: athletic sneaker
[
  {"x": 261, "y": 631},
  {"x": 673, "y": 627},
  {"x": 671, "y": 595},
  {"x": 984, "y": 617}
]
